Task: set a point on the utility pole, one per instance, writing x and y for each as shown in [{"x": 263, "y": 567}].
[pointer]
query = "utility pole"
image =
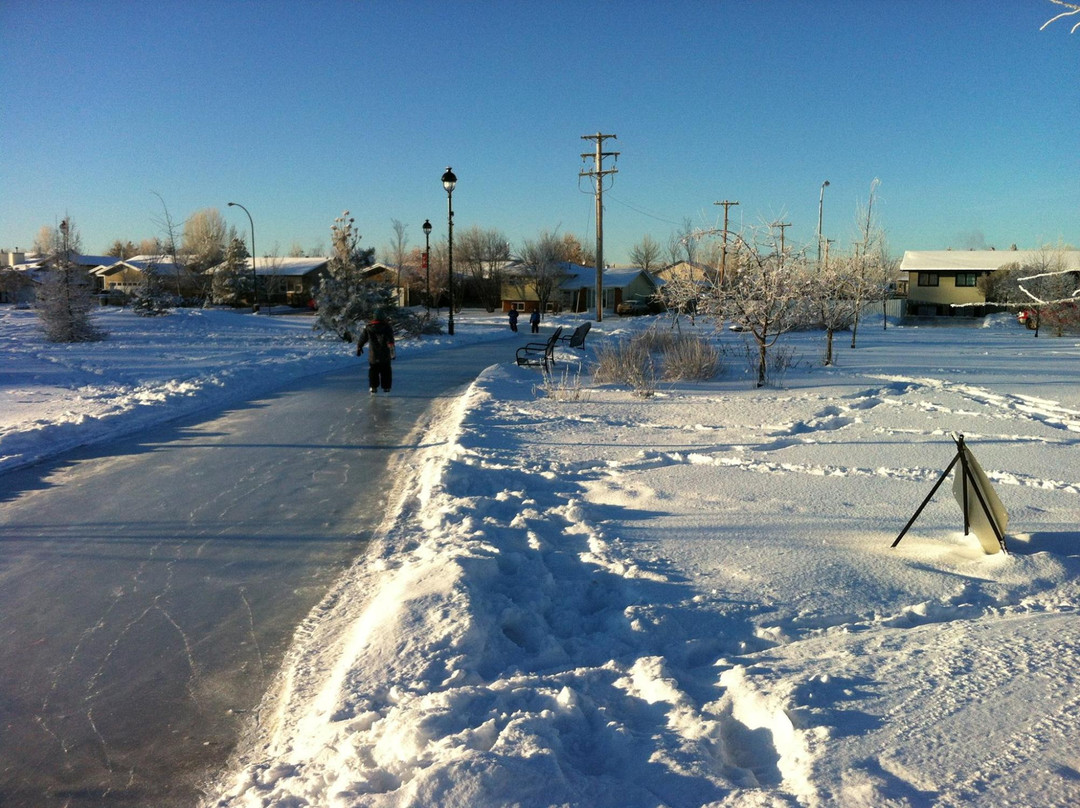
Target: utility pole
[
  {"x": 599, "y": 172},
  {"x": 782, "y": 226},
  {"x": 723, "y": 246}
]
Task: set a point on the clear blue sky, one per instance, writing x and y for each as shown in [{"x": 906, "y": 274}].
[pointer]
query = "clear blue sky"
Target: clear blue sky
[{"x": 963, "y": 109}]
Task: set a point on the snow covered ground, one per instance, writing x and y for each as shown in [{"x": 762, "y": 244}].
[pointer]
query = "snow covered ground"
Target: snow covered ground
[{"x": 682, "y": 600}]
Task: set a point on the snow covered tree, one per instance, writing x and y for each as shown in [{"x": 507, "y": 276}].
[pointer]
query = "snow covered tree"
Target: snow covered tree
[
  {"x": 833, "y": 293},
  {"x": 66, "y": 295},
  {"x": 764, "y": 293},
  {"x": 232, "y": 280},
  {"x": 344, "y": 297}
]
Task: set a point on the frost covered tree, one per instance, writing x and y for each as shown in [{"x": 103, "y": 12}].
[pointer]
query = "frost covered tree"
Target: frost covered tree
[
  {"x": 232, "y": 280},
  {"x": 205, "y": 238},
  {"x": 834, "y": 298},
  {"x": 1071, "y": 10},
  {"x": 764, "y": 293},
  {"x": 345, "y": 298},
  {"x": 1050, "y": 289},
  {"x": 66, "y": 295}
]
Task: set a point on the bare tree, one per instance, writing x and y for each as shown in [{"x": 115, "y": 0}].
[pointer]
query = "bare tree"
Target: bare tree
[
  {"x": 683, "y": 244},
  {"x": 399, "y": 251},
  {"x": 169, "y": 242},
  {"x": 541, "y": 266},
  {"x": 483, "y": 255},
  {"x": 65, "y": 297},
  {"x": 646, "y": 254},
  {"x": 871, "y": 265}
]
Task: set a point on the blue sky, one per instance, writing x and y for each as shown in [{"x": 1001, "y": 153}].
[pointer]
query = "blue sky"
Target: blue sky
[{"x": 963, "y": 109}]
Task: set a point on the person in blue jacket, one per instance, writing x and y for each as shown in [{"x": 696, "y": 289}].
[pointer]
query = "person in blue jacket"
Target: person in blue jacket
[
  {"x": 380, "y": 334},
  {"x": 534, "y": 321},
  {"x": 513, "y": 319}
]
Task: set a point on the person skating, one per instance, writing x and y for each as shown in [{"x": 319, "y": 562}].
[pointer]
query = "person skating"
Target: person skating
[
  {"x": 534, "y": 321},
  {"x": 381, "y": 352}
]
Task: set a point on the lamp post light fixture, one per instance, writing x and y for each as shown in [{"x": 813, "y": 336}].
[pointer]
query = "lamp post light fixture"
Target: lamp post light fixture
[
  {"x": 427, "y": 258},
  {"x": 820, "y": 205},
  {"x": 449, "y": 181},
  {"x": 254, "y": 277}
]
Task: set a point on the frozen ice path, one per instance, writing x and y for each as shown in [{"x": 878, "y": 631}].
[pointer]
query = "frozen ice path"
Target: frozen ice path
[{"x": 150, "y": 587}]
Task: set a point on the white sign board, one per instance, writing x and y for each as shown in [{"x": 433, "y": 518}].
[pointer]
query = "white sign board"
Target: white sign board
[{"x": 976, "y": 516}]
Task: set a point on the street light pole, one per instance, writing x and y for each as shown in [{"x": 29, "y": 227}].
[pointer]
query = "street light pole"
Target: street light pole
[
  {"x": 254, "y": 276},
  {"x": 427, "y": 258},
  {"x": 449, "y": 181},
  {"x": 820, "y": 205}
]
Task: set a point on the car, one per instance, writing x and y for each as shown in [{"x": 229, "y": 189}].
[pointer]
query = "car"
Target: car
[
  {"x": 1028, "y": 318},
  {"x": 632, "y": 308}
]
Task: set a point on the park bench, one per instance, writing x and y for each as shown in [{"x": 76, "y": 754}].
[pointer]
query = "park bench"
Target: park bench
[
  {"x": 577, "y": 339},
  {"x": 539, "y": 354}
]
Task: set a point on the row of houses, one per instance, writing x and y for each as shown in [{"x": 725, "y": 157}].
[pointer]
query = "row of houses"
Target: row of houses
[
  {"x": 292, "y": 281},
  {"x": 934, "y": 282}
]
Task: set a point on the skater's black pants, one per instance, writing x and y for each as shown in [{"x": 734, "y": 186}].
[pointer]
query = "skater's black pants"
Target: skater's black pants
[{"x": 380, "y": 375}]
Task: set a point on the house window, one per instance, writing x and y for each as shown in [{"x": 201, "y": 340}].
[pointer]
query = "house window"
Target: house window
[
  {"x": 928, "y": 279},
  {"x": 966, "y": 278}
]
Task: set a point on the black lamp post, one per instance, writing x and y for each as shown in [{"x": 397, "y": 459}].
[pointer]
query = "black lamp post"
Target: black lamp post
[
  {"x": 254, "y": 277},
  {"x": 449, "y": 180},
  {"x": 427, "y": 258}
]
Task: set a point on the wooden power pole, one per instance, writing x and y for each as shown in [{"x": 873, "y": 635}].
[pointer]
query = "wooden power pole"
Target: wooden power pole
[
  {"x": 723, "y": 245},
  {"x": 599, "y": 172}
]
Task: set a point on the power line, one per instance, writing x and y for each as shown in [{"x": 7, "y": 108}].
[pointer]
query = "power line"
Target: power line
[{"x": 644, "y": 212}]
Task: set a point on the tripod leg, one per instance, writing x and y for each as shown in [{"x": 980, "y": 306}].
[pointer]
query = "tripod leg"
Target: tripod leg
[{"x": 926, "y": 501}]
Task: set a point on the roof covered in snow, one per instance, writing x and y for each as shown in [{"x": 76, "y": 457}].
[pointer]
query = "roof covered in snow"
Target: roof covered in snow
[{"x": 986, "y": 260}]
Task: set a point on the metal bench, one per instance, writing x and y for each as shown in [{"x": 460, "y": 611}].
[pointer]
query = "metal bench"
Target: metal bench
[
  {"x": 577, "y": 339},
  {"x": 539, "y": 354}
]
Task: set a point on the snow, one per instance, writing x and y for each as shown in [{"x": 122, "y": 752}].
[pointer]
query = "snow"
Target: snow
[{"x": 683, "y": 600}]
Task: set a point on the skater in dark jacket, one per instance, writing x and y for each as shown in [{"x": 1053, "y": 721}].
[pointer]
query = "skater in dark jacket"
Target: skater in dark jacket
[
  {"x": 534, "y": 321},
  {"x": 513, "y": 319},
  {"x": 380, "y": 353}
]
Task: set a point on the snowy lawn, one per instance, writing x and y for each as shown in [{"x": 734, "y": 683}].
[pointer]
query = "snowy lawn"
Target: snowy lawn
[
  {"x": 691, "y": 599},
  {"x": 681, "y": 600}
]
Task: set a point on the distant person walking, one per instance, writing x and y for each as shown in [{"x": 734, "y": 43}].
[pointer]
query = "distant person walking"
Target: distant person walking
[
  {"x": 381, "y": 352},
  {"x": 534, "y": 321},
  {"x": 513, "y": 320}
]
